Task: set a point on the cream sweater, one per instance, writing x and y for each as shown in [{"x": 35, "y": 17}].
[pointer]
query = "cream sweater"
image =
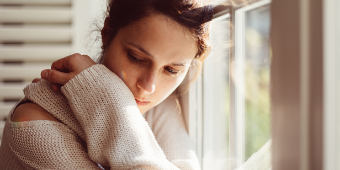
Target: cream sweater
[{"x": 99, "y": 123}]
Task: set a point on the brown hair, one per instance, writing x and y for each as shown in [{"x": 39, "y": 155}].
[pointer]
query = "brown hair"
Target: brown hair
[{"x": 191, "y": 14}]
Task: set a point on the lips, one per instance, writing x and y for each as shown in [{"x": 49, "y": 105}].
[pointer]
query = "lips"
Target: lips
[{"x": 141, "y": 102}]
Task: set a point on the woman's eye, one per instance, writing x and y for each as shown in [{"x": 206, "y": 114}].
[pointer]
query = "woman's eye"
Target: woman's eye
[
  {"x": 134, "y": 59},
  {"x": 170, "y": 71}
]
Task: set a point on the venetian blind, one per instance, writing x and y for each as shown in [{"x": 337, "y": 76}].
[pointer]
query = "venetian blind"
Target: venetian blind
[{"x": 33, "y": 34}]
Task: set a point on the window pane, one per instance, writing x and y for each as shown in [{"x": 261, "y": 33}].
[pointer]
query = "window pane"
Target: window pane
[
  {"x": 252, "y": 79},
  {"x": 236, "y": 86},
  {"x": 257, "y": 79}
]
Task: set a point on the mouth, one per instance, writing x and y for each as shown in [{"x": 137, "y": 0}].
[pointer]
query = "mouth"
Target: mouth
[{"x": 142, "y": 103}]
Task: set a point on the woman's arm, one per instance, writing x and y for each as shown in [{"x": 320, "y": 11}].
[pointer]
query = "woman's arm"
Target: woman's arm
[
  {"x": 117, "y": 135},
  {"x": 45, "y": 144},
  {"x": 30, "y": 112},
  {"x": 39, "y": 141}
]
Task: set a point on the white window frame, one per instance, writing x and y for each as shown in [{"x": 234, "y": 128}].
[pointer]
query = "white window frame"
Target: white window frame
[{"x": 331, "y": 135}]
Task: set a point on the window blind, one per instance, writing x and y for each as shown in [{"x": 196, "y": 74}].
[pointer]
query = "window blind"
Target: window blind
[{"x": 33, "y": 34}]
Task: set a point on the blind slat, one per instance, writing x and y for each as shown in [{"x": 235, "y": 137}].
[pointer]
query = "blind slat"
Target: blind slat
[
  {"x": 34, "y": 53},
  {"x": 36, "y": 2},
  {"x": 12, "y": 90},
  {"x": 35, "y": 15},
  {"x": 24, "y": 72},
  {"x": 5, "y": 108},
  {"x": 36, "y": 34}
]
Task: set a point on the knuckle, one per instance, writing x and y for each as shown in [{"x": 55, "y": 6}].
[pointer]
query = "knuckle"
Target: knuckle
[
  {"x": 76, "y": 54},
  {"x": 75, "y": 57},
  {"x": 54, "y": 63}
]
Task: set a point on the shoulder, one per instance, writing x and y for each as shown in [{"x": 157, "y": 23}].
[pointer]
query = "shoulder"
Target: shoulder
[{"x": 30, "y": 112}]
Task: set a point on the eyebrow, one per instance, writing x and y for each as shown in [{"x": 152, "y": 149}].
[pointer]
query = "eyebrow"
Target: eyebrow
[
  {"x": 179, "y": 64},
  {"x": 141, "y": 49},
  {"x": 147, "y": 53}
]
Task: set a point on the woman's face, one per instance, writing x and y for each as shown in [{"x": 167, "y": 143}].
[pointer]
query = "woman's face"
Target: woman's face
[{"x": 152, "y": 57}]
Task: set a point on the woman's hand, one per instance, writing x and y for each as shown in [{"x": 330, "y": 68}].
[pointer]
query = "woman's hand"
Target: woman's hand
[{"x": 65, "y": 69}]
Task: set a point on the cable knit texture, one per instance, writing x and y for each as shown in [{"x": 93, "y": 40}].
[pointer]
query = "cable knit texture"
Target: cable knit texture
[{"x": 99, "y": 123}]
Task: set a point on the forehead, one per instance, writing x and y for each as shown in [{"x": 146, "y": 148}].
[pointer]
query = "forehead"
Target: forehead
[{"x": 162, "y": 37}]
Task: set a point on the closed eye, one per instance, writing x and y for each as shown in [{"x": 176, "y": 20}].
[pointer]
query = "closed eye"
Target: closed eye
[
  {"x": 134, "y": 59},
  {"x": 171, "y": 71}
]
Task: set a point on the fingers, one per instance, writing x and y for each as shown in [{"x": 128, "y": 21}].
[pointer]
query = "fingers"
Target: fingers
[
  {"x": 36, "y": 80},
  {"x": 55, "y": 76},
  {"x": 73, "y": 63},
  {"x": 65, "y": 69},
  {"x": 56, "y": 87},
  {"x": 61, "y": 64}
]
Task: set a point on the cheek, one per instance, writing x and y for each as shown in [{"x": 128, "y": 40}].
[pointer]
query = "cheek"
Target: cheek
[
  {"x": 167, "y": 86},
  {"x": 129, "y": 74},
  {"x": 120, "y": 65}
]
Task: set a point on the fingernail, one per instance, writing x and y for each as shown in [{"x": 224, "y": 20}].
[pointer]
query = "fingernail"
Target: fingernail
[{"x": 45, "y": 73}]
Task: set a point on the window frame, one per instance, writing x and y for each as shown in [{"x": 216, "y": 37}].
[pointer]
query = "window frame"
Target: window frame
[
  {"x": 331, "y": 89},
  {"x": 297, "y": 80},
  {"x": 192, "y": 101}
]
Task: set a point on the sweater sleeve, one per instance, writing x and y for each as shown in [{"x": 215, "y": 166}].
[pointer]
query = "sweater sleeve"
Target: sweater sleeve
[
  {"x": 116, "y": 133},
  {"x": 51, "y": 145}
]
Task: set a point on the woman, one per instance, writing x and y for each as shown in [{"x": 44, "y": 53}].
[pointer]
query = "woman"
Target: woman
[{"x": 96, "y": 119}]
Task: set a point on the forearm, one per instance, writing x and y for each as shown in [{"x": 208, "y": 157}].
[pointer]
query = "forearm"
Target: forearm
[{"x": 116, "y": 133}]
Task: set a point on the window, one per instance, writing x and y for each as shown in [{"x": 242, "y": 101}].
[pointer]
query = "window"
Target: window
[
  {"x": 252, "y": 79},
  {"x": 301, "y": 75},
  {"x": 230, "y": 102}
]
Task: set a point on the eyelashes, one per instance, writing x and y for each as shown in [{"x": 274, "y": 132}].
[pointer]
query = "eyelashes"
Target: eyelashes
[
  {"x": 136, "y": 60},
  {"x": 171, "y": 72}
]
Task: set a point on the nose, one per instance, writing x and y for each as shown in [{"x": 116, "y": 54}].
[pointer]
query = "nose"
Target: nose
[{"x": 147, "y": 84}]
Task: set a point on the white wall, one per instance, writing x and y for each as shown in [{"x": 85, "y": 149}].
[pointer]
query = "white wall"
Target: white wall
[{"x": 87, "y": 13}]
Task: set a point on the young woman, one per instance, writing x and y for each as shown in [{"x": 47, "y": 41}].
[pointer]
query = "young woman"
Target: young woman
[{"x": 85, "y": 115}]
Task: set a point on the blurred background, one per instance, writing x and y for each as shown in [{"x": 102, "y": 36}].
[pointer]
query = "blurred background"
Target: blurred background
[
  {"x": 272, "y": 77},
  {"x": 34, "y": 33}
]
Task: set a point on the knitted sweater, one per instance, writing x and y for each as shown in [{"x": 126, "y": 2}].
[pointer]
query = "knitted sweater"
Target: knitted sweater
[{"x": 99, "y": 123}]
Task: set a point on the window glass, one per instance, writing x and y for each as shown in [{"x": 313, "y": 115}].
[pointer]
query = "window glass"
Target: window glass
[
  {"x": 251, "y": 75},
  {"x": 257, "y": 79},
  {"x": 236, "y": 88}
]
